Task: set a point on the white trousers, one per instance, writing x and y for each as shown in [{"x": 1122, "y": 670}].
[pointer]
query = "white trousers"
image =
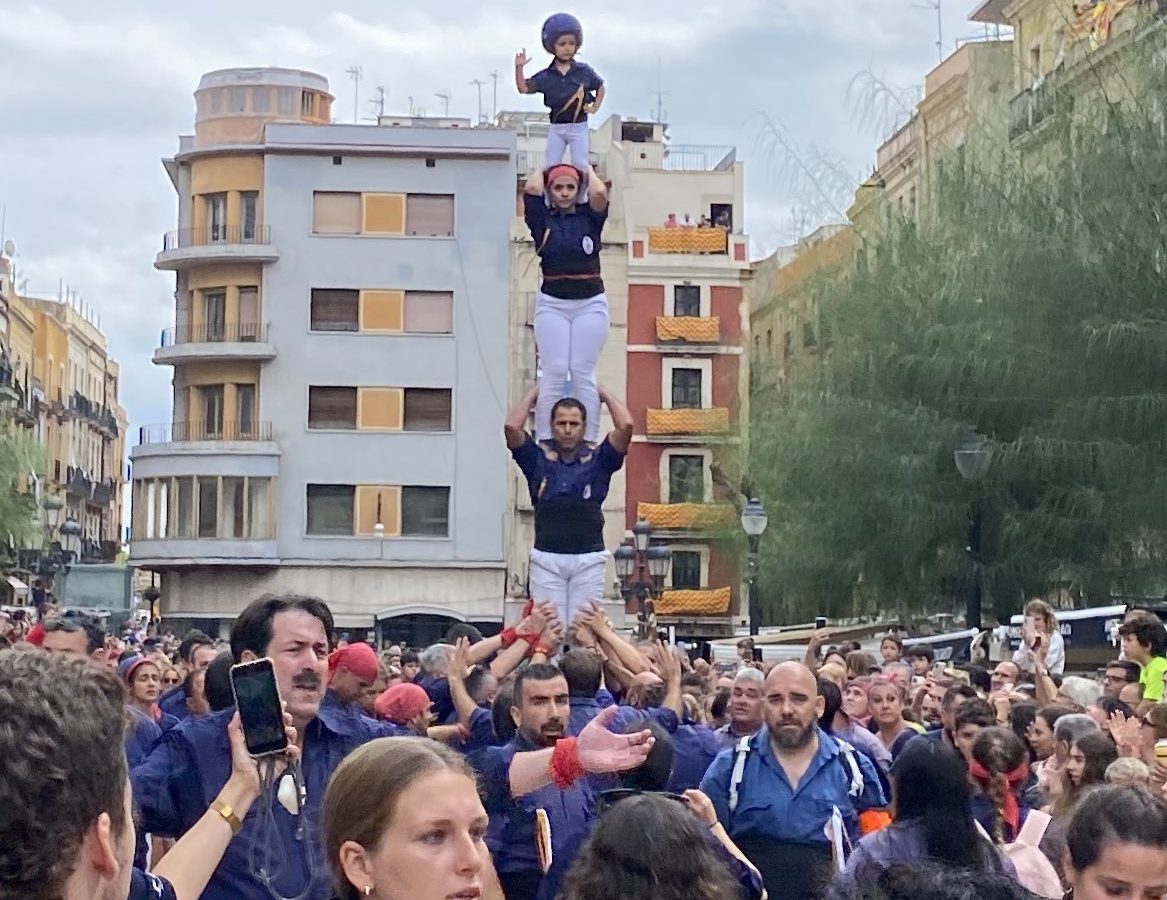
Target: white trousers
[
  {"x": 568, "y": 580},
  {"x": 569, "y": 335},
  {"x": 576, "y": 139}
]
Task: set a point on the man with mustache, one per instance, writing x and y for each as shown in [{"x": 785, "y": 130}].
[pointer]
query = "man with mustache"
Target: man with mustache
[{"x": 776, "y": 792}]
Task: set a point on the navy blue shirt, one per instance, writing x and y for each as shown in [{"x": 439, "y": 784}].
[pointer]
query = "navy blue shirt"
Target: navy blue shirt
[
  {"x": 694, "y": 749},
  {"x": 568, "y": 244},
  {"x": 144, "y": 886},
  {"x": 173, "y": 702},
  {"x": 567, "y": 93},
  {"x": 175, "y": 785}
]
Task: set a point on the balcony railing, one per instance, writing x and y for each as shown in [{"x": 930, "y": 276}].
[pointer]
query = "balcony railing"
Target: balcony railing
[
  {"x": 215, "y": 333},
  {"x": 77, "y": 483},
  {"x": 527, "y": 161},
  {"x": 216, "y": 234},
  {"x": 1031, "y": 107},
  {"x": 688, "y": 421},
  {"x": 713, "y": 602},
  {"x": 204, "y": 431},
  {"x": 99, "y": 415},
  {"x": 684, "y": 516},
  {"x": 689, "y": 329},
  {"x": 688, "y": 240}
]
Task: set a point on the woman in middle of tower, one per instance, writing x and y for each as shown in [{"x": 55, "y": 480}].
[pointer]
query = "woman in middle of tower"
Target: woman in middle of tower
[{"x": 571, "y": 314}]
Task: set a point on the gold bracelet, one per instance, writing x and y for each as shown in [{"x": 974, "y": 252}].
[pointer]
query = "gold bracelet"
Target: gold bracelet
[{"x": 228, "y": 815}]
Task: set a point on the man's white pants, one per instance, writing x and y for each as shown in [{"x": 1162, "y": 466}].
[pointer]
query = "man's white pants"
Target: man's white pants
[{"x": 568, "y": 580}]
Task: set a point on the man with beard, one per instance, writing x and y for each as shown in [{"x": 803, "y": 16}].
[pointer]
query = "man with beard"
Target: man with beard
[
  {"x": 777, "y": 793},
  {"x": 541, "y": 712}
]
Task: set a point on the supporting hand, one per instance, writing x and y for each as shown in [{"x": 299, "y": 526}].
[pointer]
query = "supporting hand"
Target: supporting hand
[{"x": 600, "y": 750}]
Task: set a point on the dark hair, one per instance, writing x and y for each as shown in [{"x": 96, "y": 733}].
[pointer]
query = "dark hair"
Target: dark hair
[
  {"x": 583, "y": 671},
  {"x": 1131, "y": 670},
  {"x": 689, "y": 679},
  {"x": 217, "y": 685},
  {"x": 1116, "y": 814},
  {"x": 832, "y": 703},
  {"x": 62, "y": 726},
  {"x": 1000, "y": 751},
  {"x": 958, "y": 690},
  {"x": 194, "y": 638},
  {"x": 534, "y": 672},
  {"x": 462, "y": 630},
  {"x": 410, "y": 656},
  {"x": 654, "y": 773},
  {"x": 894, "y": 638},
  {"x": 930, "y": 784},
  {"x": 1149, "y": 633},
  {"x": 720, "y": 702},
  {"x": 252, "y": 629},
  {"x": 1021, "y": 717},
  {"x": 569, "y": 403},
  {"x": 974, "y": 712},
  {"x": 500, "y": 711},
  {"x": 1050, "y": 714},
  {"x": 1099, "y": 751},
  {"x": 649, "y": 846},
  {"x": 925, "y": 880},
  {"x": 362, "y": 795},
  {"x": 921, "y": 650},
  {"x": 1111, "y": 705},
  {"x": 73, "y": 620},
  {"x": 978, "y": 677}
]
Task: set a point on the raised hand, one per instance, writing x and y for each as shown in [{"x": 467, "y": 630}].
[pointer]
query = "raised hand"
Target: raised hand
[
  {"x": 670, "y": 665},
  {"x": 521, "y": 58},
  {"x": 1126, "y": 732},
  {"x": 600, "y": 750},
  {"x": 460, "y": 664},
  {"x": 702, "y": 806}
]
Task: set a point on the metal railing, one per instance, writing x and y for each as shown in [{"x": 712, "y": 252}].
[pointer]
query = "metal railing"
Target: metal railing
[
  {"x": 527, "y": 161},
  {"x": 1031, "y": 107},
  {"x": 215, "y": 333},
  {"x": 204, "y": 431},
  {"x": 216, "y": 234}
]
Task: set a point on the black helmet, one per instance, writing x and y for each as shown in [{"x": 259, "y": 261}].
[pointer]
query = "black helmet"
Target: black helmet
[{"x": 559, "y": 25}]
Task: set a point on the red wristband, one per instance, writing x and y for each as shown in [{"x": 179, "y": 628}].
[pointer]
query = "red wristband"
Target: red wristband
[
  {"x": 509, "y": 636},
  {"x": 528, "y": 609},
  {"x": 566, "y": 769},
  {"x": 542, "y": 648}
]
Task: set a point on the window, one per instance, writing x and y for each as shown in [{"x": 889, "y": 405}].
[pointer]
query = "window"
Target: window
[
  {"x": 335, "y": 310},
  {"x": 249, "y": 202},
  {"x": 248, "y": 314},
  {"x": 208, "y": 512},
  {"x": 686, "y": 570},
  {"x": 245, "y": 409},
  {"x": 335, "y": 213},
  {"x": 429, "y": 312},
  {"x": 186, "y": 505},
  {"x": 259, "y": 507},
  {"x": 770, "y": 340},
  {"x": 430, "y": 215},
  {"x": 427, "y": 409},
  {"x": 211, "y": 400},
  {"x": 330, "y": 509},
  {"x": 216, "y": 205},
  {"x": 233, "y": 507},
  {"x": 237, "y": 100},
  {"x": 809, "y": 338},
  {"x": 286, "y": 101},
  {"x": 260, "y": 99},
  {"x": 686, "y": 389},
  {"x": 425, "y": 511},
  {"x": 788, "y": 344},
  {"x": 332, "y": 407},
  {"x": 214, "y": 315},
  {"x": 686, "y": 478},
  {"x": 306, "y": 99},
  {"x": 687, "y": 300}
]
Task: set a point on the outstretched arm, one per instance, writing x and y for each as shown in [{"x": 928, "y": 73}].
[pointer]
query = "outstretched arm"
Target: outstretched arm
[
  {"x": 535, "y": 186},
  {"x": 621, "y": 435},
  {"x": 521, "y": 60},
  {"x": 597, "y": 191},
  {"x": 513, "y": 428}
]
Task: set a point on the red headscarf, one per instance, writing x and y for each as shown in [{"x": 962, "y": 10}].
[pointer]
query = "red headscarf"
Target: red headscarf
[
  {"x": 402, "y": 703},
  {"x": 1013, "y": 780},
  {"x": 356, "y": 658}
]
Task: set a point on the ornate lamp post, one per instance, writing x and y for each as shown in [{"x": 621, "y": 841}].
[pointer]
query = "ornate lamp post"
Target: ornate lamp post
[
  {"x": 642, "y": 570},
  {"x": 754, "y": 522},
  {"x": 973, "y": 457}
]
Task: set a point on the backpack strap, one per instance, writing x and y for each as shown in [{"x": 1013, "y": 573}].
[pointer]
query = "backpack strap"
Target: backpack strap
[
  {"x": 739, "y": 771},
  {"x": 851, "y": 766}
]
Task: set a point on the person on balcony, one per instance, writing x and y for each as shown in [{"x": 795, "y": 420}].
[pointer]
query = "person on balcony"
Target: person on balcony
[{"x": 568, "y": 480}]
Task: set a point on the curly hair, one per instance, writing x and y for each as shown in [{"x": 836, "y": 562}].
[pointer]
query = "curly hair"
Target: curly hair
[
  {"x": 62, "y": 727},
  {"x": 648, "y": 846}
]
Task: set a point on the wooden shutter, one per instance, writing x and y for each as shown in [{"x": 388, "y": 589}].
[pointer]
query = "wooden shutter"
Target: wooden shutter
[
  {"x": 429, "y": 312},
  {"x": 335, "y": 310},
  {"x": 382, "y": 311},
  {"x": 384, "y": 213},
  {"x": 430, "y": 215},
  {"x": 332, "y": 407},
  {"x": 336, "y": 213},
  {"x": 379, "y": 409},
  {"x": 427, "y": 409},
  {"x": 390, "y": 505}
]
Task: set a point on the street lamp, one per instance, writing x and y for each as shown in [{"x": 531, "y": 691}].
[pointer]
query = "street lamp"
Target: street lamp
[
  {"x": 754, "y": 522},
  {"x": 973, "y": 457},
  {"x": 642, "y": 570},
  {"x": 70, "y": 532}
]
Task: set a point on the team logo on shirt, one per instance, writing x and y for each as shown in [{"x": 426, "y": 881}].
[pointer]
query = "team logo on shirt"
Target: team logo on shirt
[
  {"x": 588, "y": 245},
  {"x": 587, "y": 492}
]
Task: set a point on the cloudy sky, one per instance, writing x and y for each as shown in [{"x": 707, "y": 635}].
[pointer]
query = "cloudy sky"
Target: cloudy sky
[{"x": 96, "y": 94}]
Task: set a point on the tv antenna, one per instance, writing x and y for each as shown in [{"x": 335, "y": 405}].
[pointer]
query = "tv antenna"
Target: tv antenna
[
  {"x": 444, "y": 96},
  {"x": 660, "y": 93},
  {"x": 356, "y": 73},
  {"x": 938, "y": 6},
  {"x": 378, "y": 102},
  {"x": 478, "y": 83},
  {"x": 494, "y": 101}
]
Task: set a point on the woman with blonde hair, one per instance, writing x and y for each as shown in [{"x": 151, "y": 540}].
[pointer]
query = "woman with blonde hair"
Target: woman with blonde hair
[{"x": 1040, "y": 620}]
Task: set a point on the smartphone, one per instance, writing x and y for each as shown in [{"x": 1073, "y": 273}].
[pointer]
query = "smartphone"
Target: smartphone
[
  {"x": 257, "y": 697},
  {"x": 820, "y": 622},
  {"x": 707, "y": 651},
  {"x": 938, "y": 669},
  {"x": 757, "y": 654}
]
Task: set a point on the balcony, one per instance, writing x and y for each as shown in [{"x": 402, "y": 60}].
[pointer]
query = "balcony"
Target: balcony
[
  {"x": 711, "y": 240},
  {"x": 688, "y": 329},
  {"x": 99, "y": 416},
  {"x": 1030, "y": 108},
  {"x": 189, "y": 247},
  {"x": 197, "y": 431},
  {"x": 686, "y": 517},
  {"x": 77, "y": 484},
  {"x": 209, "y": 342},
  {"x": 680, "y": 157},
  {"x": 99, "y": 552},
  {"x": 228, "y": 448},
  {"x": 667, "y": 422},
  {"x": 715, "y": 602}
]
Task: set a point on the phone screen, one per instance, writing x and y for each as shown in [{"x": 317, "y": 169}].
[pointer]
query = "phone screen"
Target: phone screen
[
  {"x": 757, "y": 654},
  {"x": 707, "y": 651},
  {"x": 820, "y": 622},
  {"x": 257, "y": 698}
]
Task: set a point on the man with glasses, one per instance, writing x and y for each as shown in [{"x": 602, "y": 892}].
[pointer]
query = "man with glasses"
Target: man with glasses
[{"x": 75, "y": 633}]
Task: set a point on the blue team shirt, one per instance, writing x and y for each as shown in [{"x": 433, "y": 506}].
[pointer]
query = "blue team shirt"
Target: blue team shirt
[
  {"x": 567, "y": 93},
  {"x": 587, "y": 477},
  {"x": 144, "y": 886},
  {"x": 568, "y": 244}
]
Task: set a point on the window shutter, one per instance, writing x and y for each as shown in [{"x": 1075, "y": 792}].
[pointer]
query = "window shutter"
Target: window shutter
[
  {"x": 382, "y": 311},
  {"x": 429, "y": 312},
  {"x": 332, "y": 407},
  {"x": 390, "y": 504},
  {"x": 330, "y": 509},
  {"x": 335, "y": 310},
  {"x": 430, "y": 215},
  {"x": 336, "y": 213},
  {"x": 384, "y": 213},
  {"x": 427, "y": 409},
  {"x": 425, "y": 511},
  {"x": 380, "y": 409}
]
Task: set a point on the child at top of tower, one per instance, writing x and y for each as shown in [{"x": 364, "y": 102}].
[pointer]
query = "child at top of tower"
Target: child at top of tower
[{"x": 571, "y": 90}]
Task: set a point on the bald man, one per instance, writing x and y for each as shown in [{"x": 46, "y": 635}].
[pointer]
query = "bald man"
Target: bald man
[{"x": 776, "y": 792}]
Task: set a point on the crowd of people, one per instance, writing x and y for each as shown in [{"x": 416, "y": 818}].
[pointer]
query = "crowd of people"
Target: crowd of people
[{"x": 565, "y": 760}]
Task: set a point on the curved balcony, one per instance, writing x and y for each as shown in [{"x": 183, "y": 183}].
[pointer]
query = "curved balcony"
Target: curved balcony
[
  {"x": 715, "y": 602},
  {"x": 686, "y": 517},
  {"x": 688, "y": 240},
  {"x": 209, "y": 342},
  {"x": 687, "y": 422},
  {"x": 190, "y": 247},
  {"x": 688, "y": 329},
  {"x": 199, "y": 448}
]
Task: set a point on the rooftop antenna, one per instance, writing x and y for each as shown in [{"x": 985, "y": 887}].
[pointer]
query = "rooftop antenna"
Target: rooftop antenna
[
  {"x": 356, "y": 73},
  {"x": 444, "y": 96},
  {"x": 936, "y": 5},
  {"x": 660, "y": 93},
  {"x": 378, "y": 102},
  {"x": 478, "y": 83},
  {"x": 494, "y": 101}
]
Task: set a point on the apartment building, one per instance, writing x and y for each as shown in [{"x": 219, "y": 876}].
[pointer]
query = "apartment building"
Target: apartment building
[
  {"x": 339, "y": 355},
  {"x": 675, "y": 350}
]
